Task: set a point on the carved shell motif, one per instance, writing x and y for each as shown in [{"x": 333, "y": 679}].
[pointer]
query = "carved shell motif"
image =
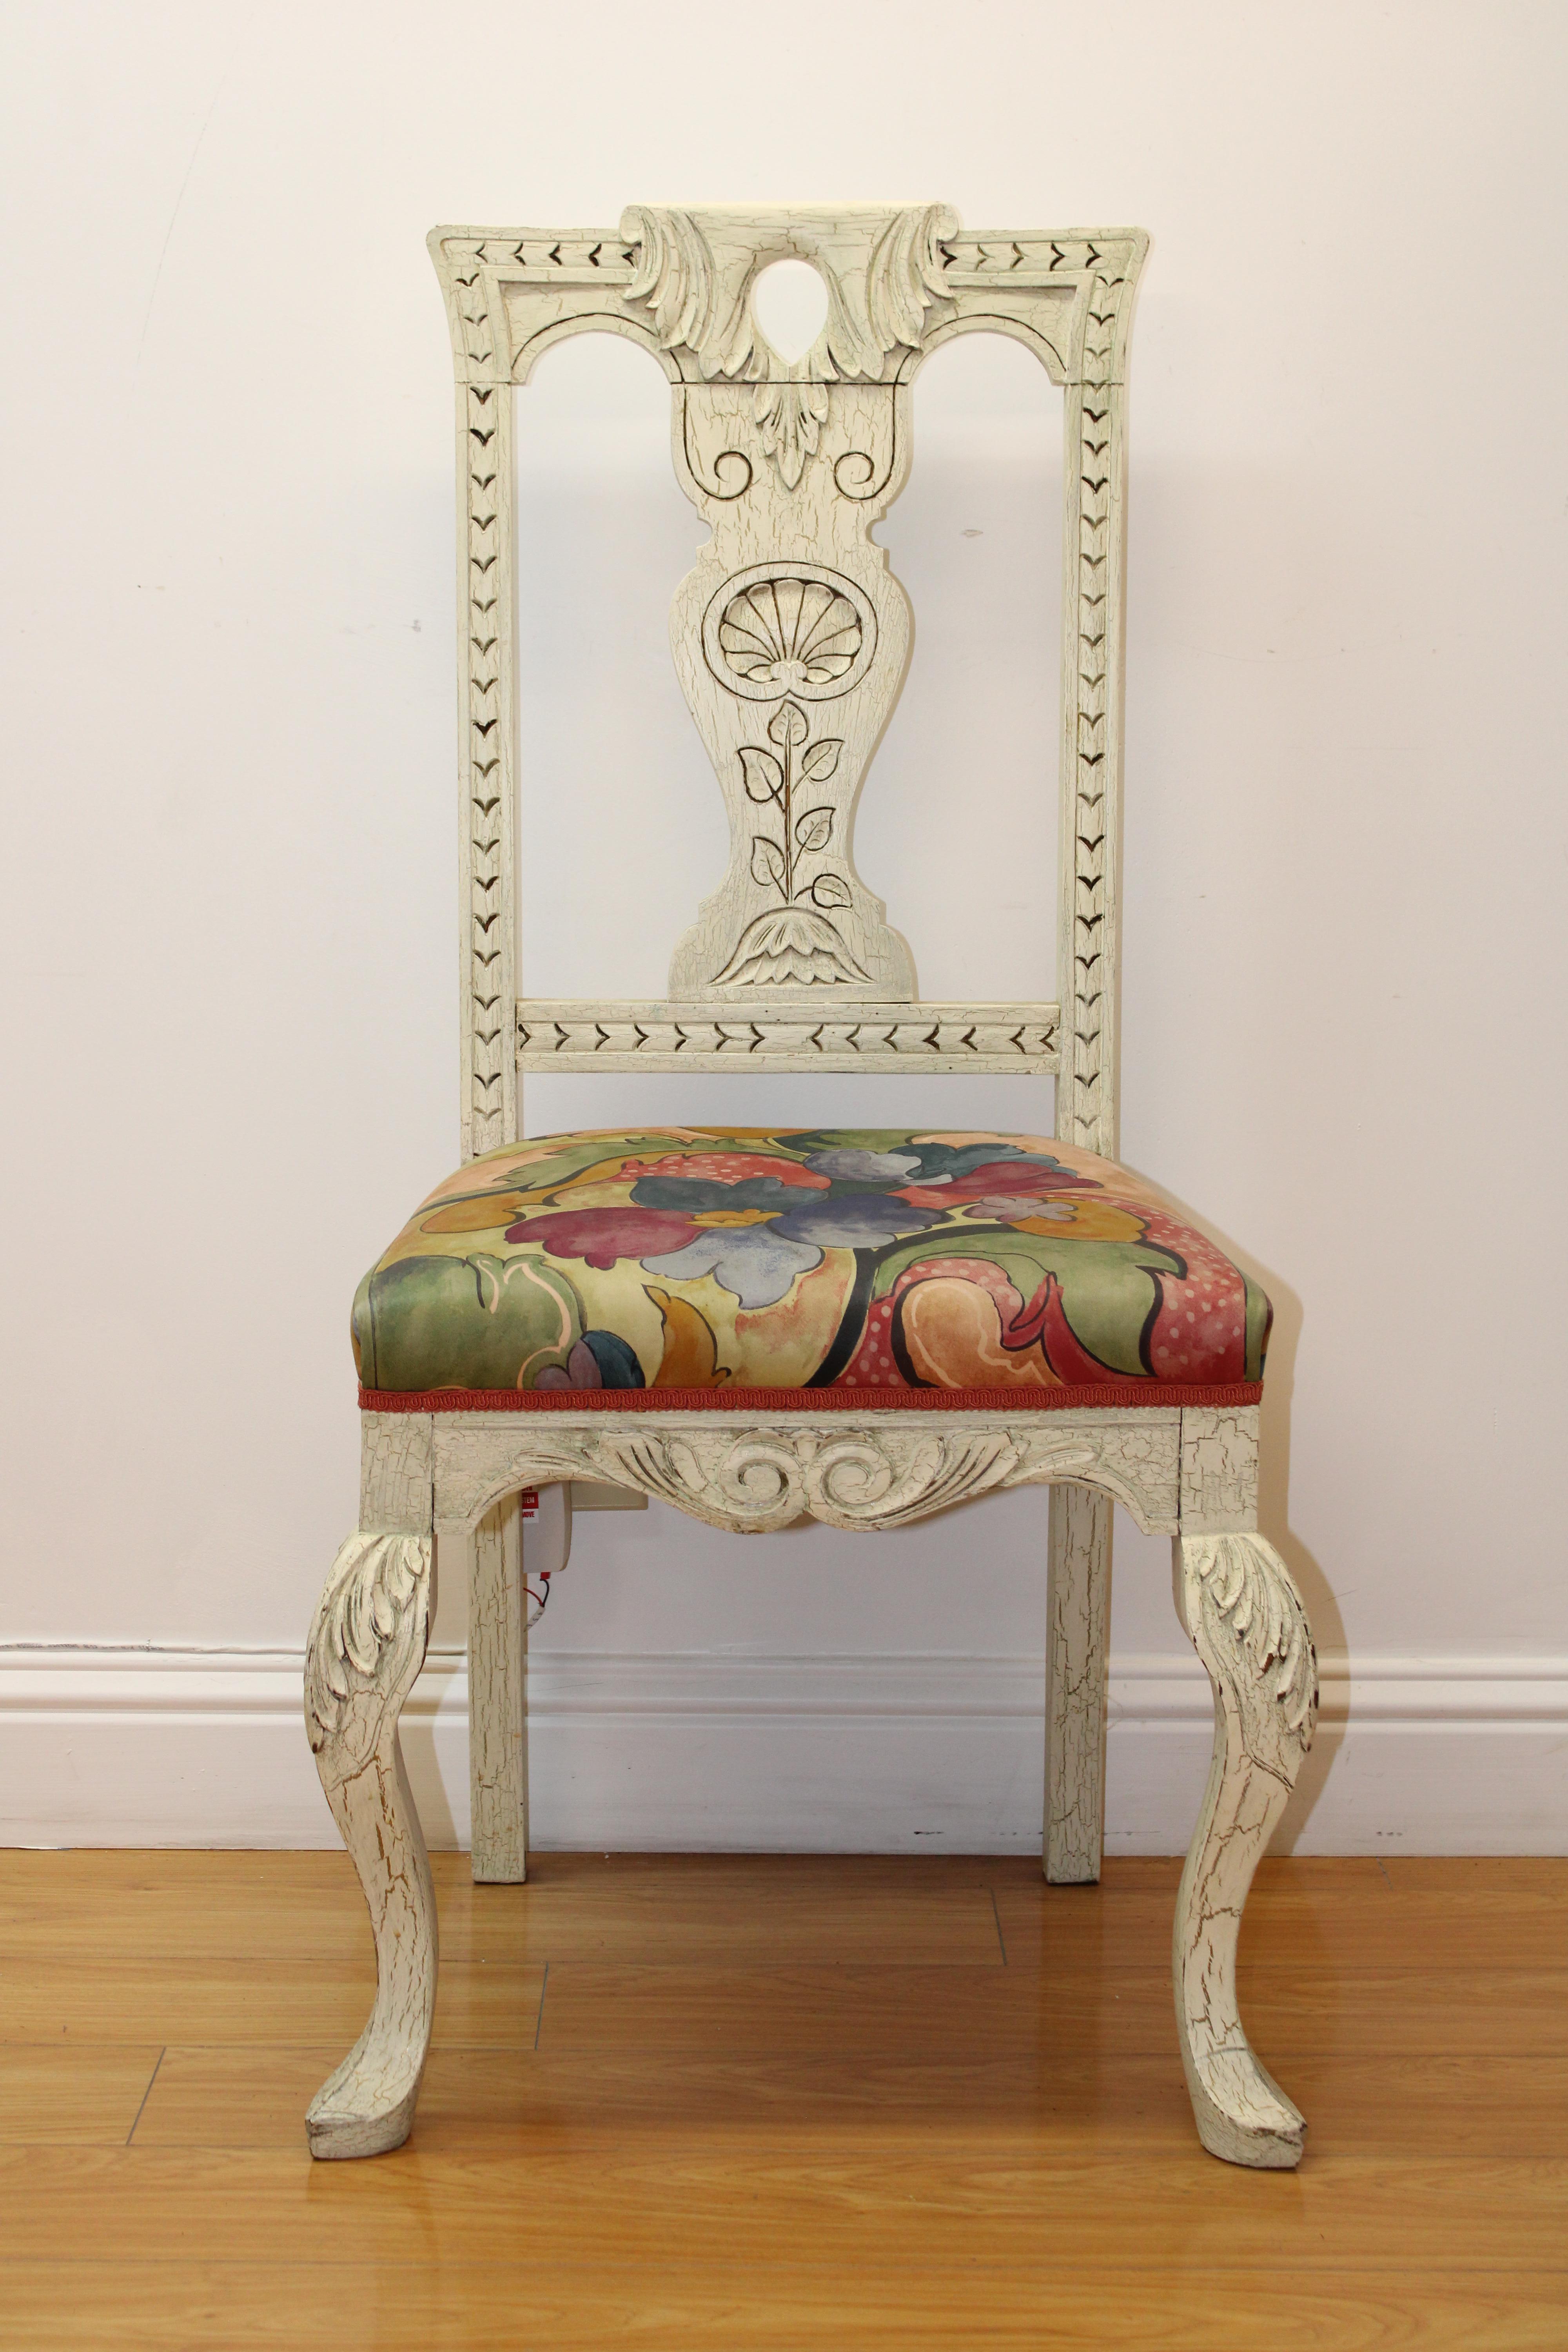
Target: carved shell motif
[
  {"x": 789, "y": 628},
  {"x": 790, "y": 633}
]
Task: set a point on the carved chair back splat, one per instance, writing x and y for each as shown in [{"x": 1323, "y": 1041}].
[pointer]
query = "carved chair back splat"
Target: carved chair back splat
[{"x": 790, "y": 638}]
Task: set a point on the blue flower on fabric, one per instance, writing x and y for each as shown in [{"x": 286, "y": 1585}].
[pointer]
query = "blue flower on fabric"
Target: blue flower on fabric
[
  {"x": 752, "y": 1260},
  {"x": 855, "y": 1220},
  {"x": 920, "y": 1170},
  {"x": 758, "y": 1235},
  {"x": 847, "y": 1164}
]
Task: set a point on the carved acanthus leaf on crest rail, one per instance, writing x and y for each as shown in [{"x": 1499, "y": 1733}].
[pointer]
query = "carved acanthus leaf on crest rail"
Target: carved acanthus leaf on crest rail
[{"x": 882, "y": 273}]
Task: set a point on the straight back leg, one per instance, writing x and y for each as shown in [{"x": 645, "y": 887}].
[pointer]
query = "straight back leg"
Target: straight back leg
[
  {"x": 1078, "y": 1607},
  {"x": 498, "y": 1703}
]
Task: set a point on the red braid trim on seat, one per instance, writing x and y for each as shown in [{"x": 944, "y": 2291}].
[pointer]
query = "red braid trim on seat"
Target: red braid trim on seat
[{"x": 811, "y": 1400}]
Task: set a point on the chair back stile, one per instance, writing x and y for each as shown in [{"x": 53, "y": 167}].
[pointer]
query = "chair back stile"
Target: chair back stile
[{"x": 790, "y": 634}]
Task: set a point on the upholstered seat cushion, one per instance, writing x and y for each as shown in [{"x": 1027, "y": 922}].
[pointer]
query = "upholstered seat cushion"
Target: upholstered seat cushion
[{"x": 698, "y": 1265}]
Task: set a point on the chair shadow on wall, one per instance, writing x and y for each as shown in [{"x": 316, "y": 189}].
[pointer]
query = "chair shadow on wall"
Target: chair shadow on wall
[
  {"x": 1274, "y": 1508},
  {"x": 416, "y": 1737}
]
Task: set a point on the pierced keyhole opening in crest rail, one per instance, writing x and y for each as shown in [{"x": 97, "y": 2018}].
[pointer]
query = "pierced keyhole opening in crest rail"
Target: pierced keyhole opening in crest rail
[{"x": 789, "y": 303}]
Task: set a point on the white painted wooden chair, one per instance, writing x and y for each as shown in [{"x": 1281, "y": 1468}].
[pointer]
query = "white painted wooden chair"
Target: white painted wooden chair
[{"x": 866, "y": 1327}]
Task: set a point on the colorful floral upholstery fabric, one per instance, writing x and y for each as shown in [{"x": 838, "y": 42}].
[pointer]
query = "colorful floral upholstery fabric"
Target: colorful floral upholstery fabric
[{"x": 685, "y": 1264}]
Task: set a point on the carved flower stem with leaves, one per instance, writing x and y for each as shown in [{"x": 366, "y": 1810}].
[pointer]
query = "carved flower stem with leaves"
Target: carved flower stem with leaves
[
  {"x": 794, "y": 944},
  {"x": 772, "y": 779}
]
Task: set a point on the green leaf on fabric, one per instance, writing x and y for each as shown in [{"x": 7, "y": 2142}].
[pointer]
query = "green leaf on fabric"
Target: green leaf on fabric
[
  {"x": 804, "y": 1140},
  {"x": 1108, "y": 1290},
  {"x": 504, "y": 1170},
  {"x": 477, "y": 1321}
]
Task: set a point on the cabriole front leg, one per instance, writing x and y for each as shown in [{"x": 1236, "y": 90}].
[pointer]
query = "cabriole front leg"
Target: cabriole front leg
[
  {"x": 367, "y": 1644},
  {"x": 1234, "y": 1597}
]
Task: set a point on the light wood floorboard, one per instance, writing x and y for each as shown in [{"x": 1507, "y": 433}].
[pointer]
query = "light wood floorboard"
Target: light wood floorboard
[{"x": 719, "y": 2102}]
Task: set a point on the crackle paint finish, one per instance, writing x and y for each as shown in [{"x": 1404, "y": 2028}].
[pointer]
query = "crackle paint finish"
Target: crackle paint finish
[{"x": 863, "y": 1327}]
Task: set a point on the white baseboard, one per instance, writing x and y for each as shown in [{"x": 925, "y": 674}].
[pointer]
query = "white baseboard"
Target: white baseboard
[{"x": 884, "y": 1754}]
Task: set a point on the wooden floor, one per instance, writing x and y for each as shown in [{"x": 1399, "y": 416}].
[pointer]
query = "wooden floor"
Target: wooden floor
[{"x": 725, "y": 2101}]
